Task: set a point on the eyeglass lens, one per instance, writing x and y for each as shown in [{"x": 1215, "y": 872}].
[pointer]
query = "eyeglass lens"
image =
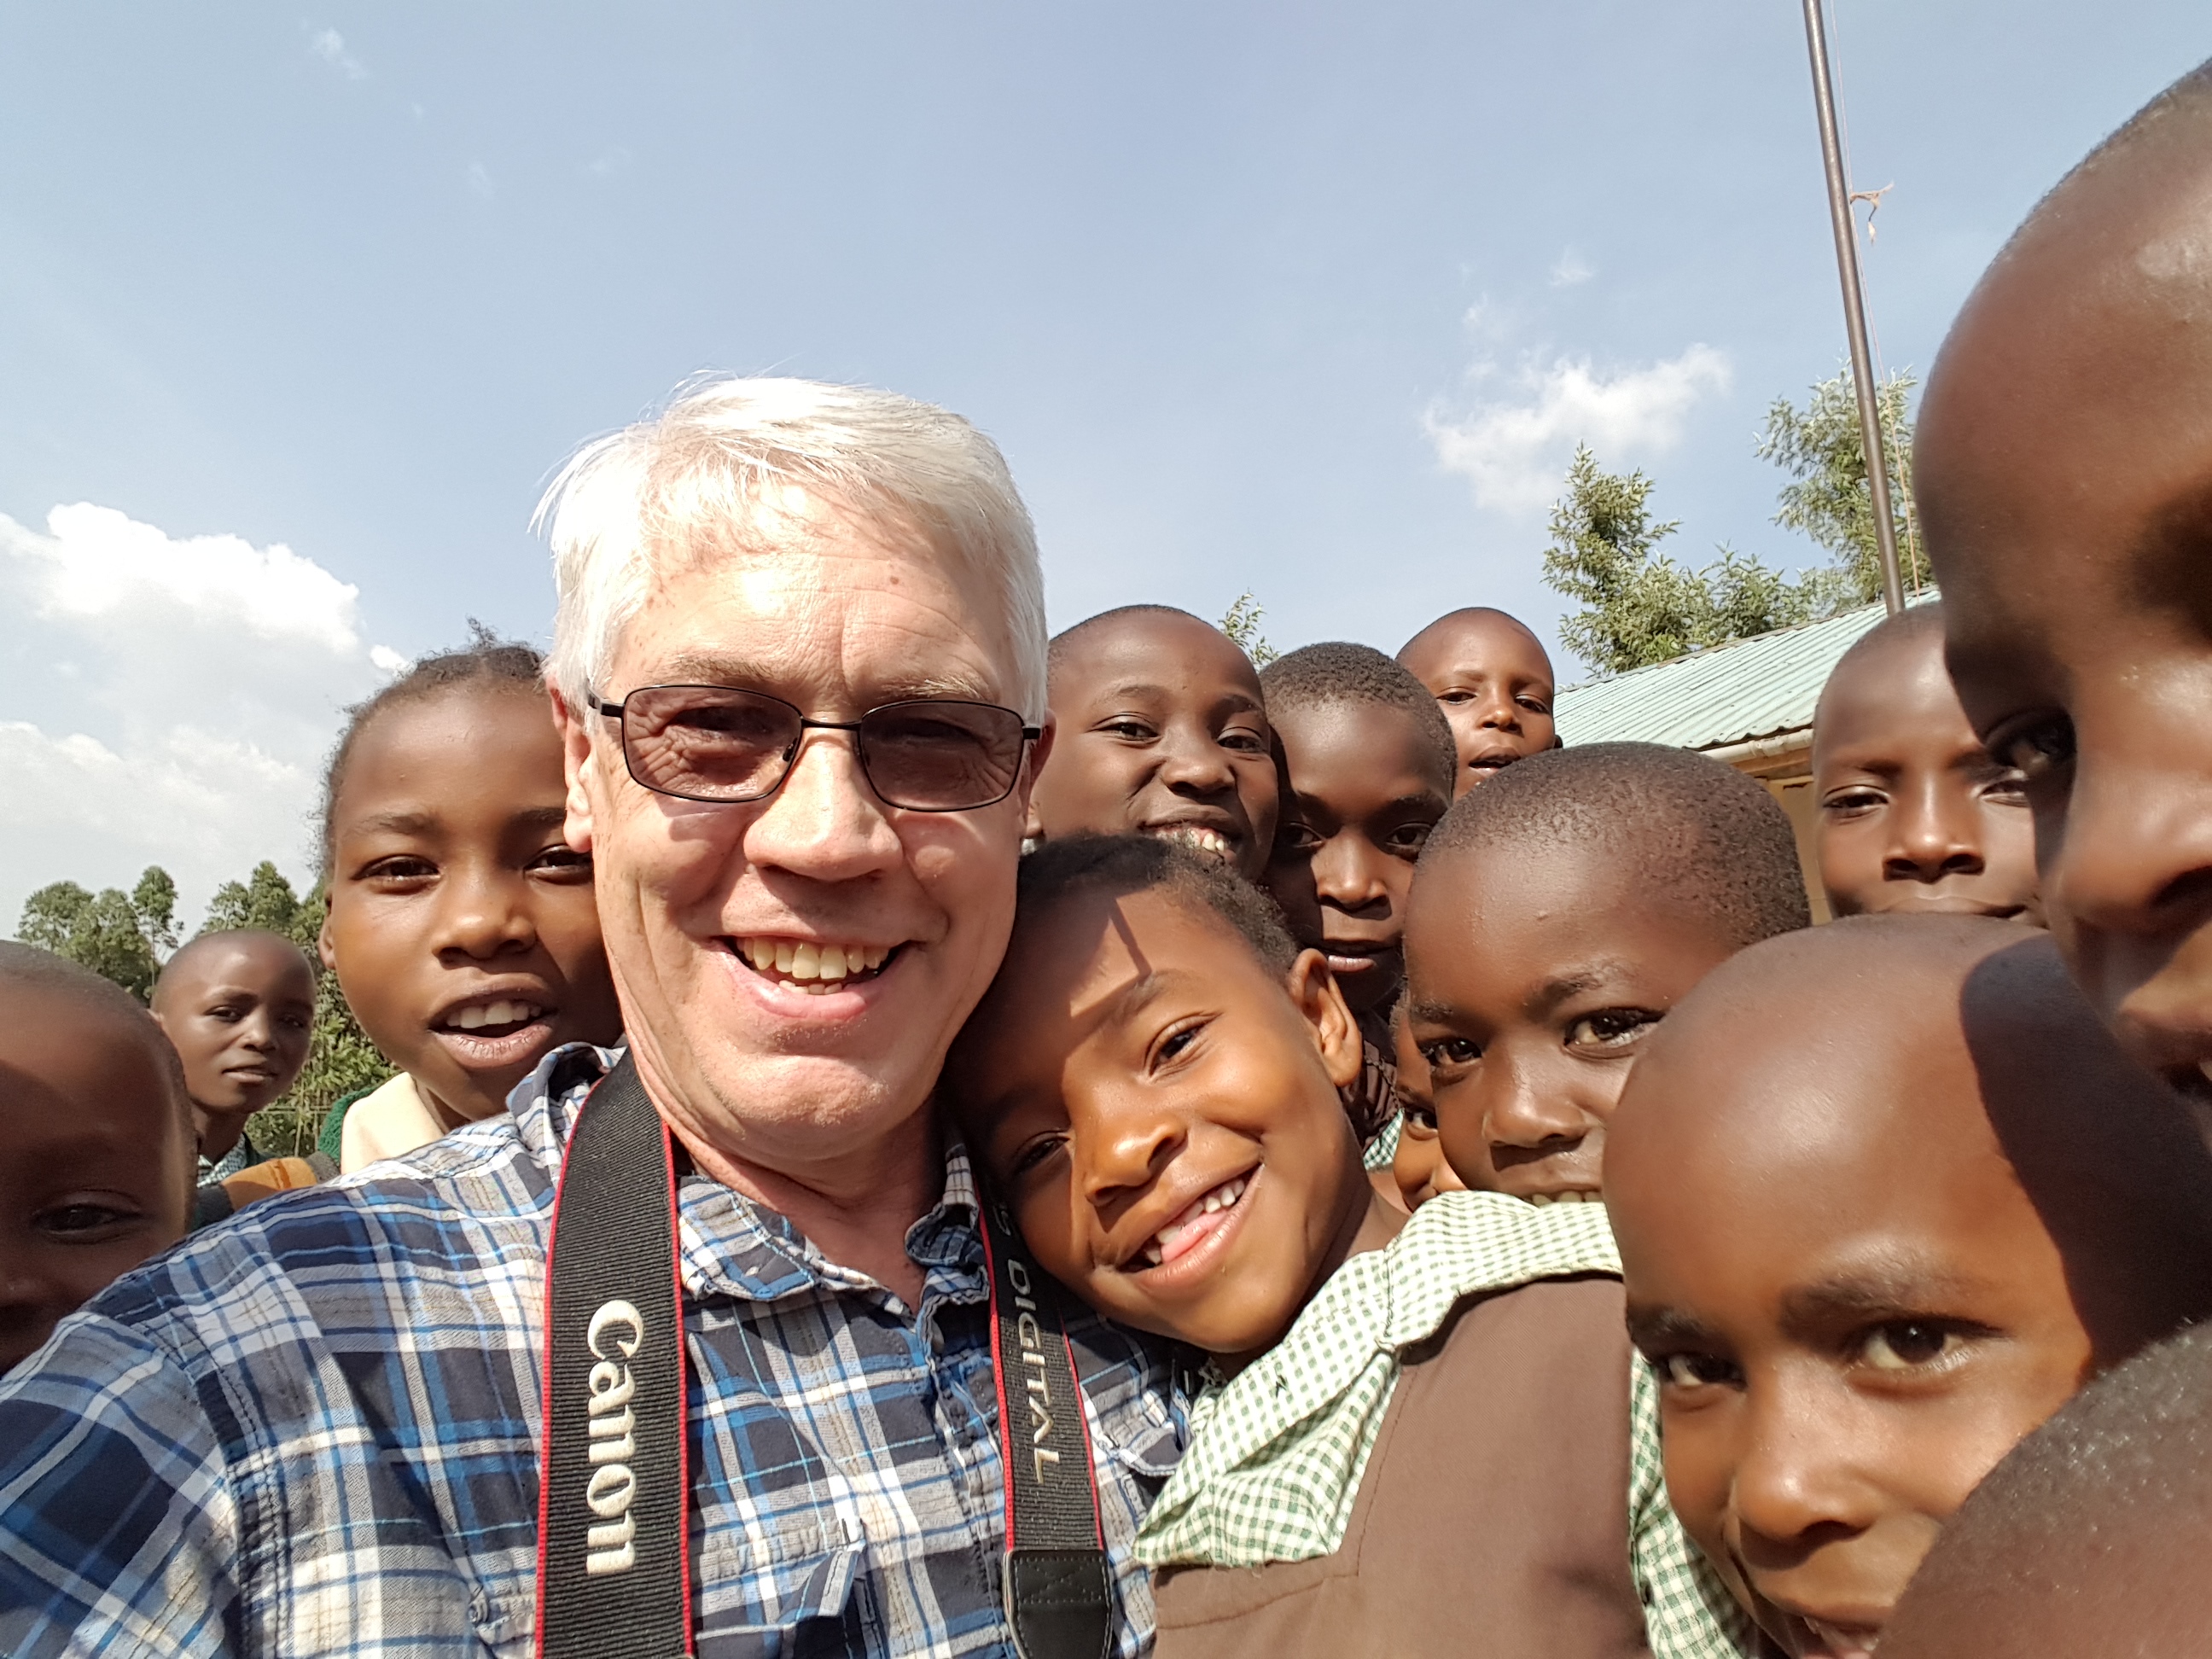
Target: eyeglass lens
[{"x": 712, "y": 743}]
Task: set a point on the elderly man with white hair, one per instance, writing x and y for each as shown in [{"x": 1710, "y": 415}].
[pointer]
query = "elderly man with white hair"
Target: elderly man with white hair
[{"x": 705, "y": 1347}]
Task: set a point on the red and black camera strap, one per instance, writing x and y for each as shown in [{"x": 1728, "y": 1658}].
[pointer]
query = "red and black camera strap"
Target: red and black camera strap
[{"x": 614, "y": 1570}]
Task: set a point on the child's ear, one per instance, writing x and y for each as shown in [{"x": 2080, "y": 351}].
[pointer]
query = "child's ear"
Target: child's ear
[
  {"x": 575, "y": 755},
  {"x": 1336, "y": 1034},
  {"x": 325, "y": 946},
  {"x": 1033, "y": 767}
]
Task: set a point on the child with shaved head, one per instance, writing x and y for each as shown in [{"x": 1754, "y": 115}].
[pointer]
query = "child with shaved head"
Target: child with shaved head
[
  {"x": 1159, "y": 728},
  {"x": 96, "y": 1142},
  {"x": 1369, "y": 763},
  {"x": 1915, "y": 816},
  {"x": 1492, "y": 678},
  {"x": 1558, "y": 912},
  {"x": 2063, "y": 473},
  {"x": 239, "y": 1008},
  {"x": 1886, "y": 1195}
]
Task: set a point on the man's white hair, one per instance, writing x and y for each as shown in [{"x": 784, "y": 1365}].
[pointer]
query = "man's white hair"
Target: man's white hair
[{"x": 655, "y": 498}]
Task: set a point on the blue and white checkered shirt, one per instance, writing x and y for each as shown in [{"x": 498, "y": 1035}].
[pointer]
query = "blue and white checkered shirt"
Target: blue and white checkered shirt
[{"x": 311, "y": 1429}]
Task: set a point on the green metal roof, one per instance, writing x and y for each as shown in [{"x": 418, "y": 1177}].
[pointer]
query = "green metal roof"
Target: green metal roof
[{"x": 1760, "y": 687}]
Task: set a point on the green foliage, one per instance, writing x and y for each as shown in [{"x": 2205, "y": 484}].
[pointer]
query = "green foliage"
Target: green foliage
[
  {"x": 107, "y": 932},
  {"x": 1827, "y": 499},
  {"x": 264, "y": 900},
  {"x": 1241, "y": 624},
  {"x": 1639, "y": 605}
]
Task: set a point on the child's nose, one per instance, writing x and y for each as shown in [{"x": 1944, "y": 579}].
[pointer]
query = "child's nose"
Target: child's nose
[
  {"x": 1126, "y": 1153},
  {"x": 1790, "y": 1480},
  {"x": 1935, "y": 835},
  {"x": 484, "y": 916},
  {"x": 1193, "y": 760}
]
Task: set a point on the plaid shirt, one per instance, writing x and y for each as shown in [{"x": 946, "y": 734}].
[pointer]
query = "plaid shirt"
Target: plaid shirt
[
  {"x": 311, "y": 1429},
  {"x": 1277, "y": 1454}
]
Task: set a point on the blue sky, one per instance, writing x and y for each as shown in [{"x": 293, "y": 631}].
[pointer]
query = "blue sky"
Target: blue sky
[{"x": 1309, "y": 300}]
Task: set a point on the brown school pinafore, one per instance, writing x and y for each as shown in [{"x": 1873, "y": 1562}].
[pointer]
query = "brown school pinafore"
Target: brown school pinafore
[{"x": 1492, "y": 1518}]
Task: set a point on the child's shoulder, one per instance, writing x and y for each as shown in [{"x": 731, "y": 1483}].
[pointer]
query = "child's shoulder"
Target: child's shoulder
[{"x": 1462, "y": 1244}]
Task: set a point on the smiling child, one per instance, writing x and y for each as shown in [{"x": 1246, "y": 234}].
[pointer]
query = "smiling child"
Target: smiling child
[
  {"x": 1417, "y": 1165},
  {"x": 2063, "y": 473},
  {"x": 239, "y": 1008},
  {"x": 1414, "y": 1427},
  {"x": 1866, "y": 1253},
  {"x": 1915, "y": 817},
  {"x": 1492, "y": 678},
  {"x": 1160, "y": 730},
  {"x": 461, "y": 925},
  {"x": 1558, "y": 913},
  {"x": 96, "y": 1143}
]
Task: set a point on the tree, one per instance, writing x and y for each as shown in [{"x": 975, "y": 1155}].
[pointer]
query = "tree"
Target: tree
[
  {"x": 1241, "y": 624},
  {"x": 1819, "y": 447},
  {"x": 1639, "y": 605},
  {"x": 121, "y": 937},
  {"x": 264, "y": 900}
]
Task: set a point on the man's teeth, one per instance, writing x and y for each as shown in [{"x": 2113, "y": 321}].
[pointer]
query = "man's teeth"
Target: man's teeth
[
  {"x": 477, "y": 1015},
  {"x": 1221, "y": 1198},
  {"x": 817, "y": 967},
  {"x": 1200, "y": 839},
  {"x": 1565, "y": 1197}
]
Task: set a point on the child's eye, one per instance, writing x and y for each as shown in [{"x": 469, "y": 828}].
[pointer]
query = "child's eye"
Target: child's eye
[
  {"x": 1849, "y": 803},
  {"x": 2009, "y": 786},
  {"x": 1244, "y": 743},
  {"x": 2038, "y": 748},
  {"x": 1128, "y": 729},
  {"x": 1697, "y": 1370},
  {"x": 399, "y": 867},
  {"x": 1032, "y": 1154},
  {"x": 1610, "y": 1028},
  {"x": 1297, "y": 840},
  {"x": 84, "y": 1223},
  {"x": 1448, "y": 1052},
  {"x": 1407, "y": 840},
  {"x": 1534, "y": 705},
  {"x": 1420, "y": 1120},
  {"x": 1176, "y": 1043},
  {"x": 1904, "y": 1345},
  {"x": 1456, "y": 697},
  {"x": 562, "y": 862}
]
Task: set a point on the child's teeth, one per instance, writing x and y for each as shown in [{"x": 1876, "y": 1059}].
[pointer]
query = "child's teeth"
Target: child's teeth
[{"x": 468, "y": 1018}]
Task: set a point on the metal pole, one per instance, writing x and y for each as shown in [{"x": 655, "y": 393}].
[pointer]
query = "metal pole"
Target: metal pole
[{"x": 1847, "y": 266}]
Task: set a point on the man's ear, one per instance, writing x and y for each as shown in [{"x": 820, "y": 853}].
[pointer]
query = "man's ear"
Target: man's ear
[
  {"x": 1032, "y": 768},
  {"x": 575, "y": 755},
  {"x": 1336, "y": 1034}
]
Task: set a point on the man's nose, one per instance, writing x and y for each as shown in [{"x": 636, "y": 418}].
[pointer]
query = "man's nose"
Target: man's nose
[
  {"x": 1934, "y": 832},
  {"x": 824, "y": 823}
]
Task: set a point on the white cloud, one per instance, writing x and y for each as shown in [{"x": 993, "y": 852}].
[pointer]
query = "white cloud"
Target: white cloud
[
  {"x": 605, "y": 166},
  {"x": 1515, "y": 453},
  {"x": 170, "y": 701},
  {"x": 480, "y": 179},
  {"x": 330, "y": 45},
  {"x": 1570, "y": 268}
]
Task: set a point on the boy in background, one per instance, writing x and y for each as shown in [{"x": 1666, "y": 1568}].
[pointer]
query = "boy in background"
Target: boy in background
[
  {"x": 1558, "y": 912},
  {"x": 1915, "y": 817},
  {"x": 238, "y": 1007},
  {"x": 1369, "y": 765},
  {"x": 1886, "y": 1195},
  {"x": 1160, "y": 729},
  {"x": 1418, "y": 1169},
  {"x": 96, "y": 1143},
  {"x": 1416, "y": 1432},
  {"x": 1492, "y": 678},
  {"x": 2061, "y": 470}
]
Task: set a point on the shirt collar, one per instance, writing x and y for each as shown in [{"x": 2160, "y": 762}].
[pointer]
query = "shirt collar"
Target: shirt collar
[{"x": 728, "y": 1244}]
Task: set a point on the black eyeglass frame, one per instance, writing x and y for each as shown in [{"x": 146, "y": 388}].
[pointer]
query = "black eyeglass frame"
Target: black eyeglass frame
[{"x": 617, "y": 712}]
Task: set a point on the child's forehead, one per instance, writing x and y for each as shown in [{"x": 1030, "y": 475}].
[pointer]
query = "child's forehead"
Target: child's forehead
[
  {"x": 1157, "y": 650},
  {"x": 1386, "y": 735},
  {"x": 461, "y": 741},
  {"x": 268, "y": 966},
  {"x": 108, "y": 1066},
  {"x": 1484, "y": 643}
]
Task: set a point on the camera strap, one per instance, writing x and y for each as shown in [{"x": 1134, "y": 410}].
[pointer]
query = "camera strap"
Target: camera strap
[{"x": 614, "y": 1565}]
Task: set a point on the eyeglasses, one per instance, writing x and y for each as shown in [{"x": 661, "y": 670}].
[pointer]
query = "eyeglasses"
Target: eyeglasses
[{"x": 713, "y": 743}]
